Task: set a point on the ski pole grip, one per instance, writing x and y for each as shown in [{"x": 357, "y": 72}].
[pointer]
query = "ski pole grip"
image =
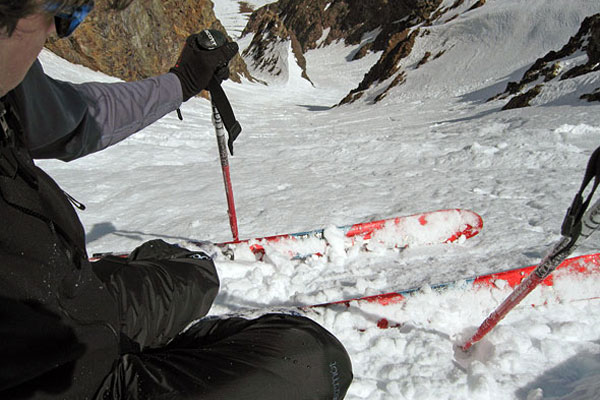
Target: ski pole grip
[
  {"x": 570, "y": 223},
  {"x": 575, "y": 214},
  {"x": 211, "y": 39},
  {"x": 588, "y": 224},
  {"x": 591, "y": 220}
]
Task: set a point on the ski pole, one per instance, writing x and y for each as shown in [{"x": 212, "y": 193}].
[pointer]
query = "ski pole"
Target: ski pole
[
  {"x": 223, "y": 118},
  {"x": 558, "y": 254},
  {"x": 220, "y": 131},
  {"x": 576, "y": 228}
]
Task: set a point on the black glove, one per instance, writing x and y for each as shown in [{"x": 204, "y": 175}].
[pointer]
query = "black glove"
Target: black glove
[
  {"x": 196, "y": 65},
  {"x": 158, "y": 249}
]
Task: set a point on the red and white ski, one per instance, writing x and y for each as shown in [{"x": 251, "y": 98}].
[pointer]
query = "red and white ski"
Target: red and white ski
[
  {"x": 584, "y": 265},
  {"x": 442, "y": 226}
]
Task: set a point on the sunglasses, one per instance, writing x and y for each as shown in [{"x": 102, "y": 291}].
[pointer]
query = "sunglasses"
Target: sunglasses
[{"x": 67, "y": 22}]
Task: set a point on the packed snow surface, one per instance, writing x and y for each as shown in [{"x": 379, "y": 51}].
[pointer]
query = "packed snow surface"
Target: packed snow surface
[{"x": 433, "y": 143}]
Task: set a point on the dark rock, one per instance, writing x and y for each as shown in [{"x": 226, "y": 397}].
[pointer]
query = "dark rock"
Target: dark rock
[
  {"x": 546, "y": 69},
  {"x": 594, "y": 96},
  {"x": 524, "y": 99},
  {"x": 305, "y": 22}
]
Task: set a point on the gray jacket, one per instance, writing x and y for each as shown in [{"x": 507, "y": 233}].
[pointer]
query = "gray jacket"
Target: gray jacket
[{"x": 68, "y": 121}]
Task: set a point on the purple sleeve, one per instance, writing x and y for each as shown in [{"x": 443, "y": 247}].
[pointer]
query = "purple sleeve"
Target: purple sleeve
[
  {"x": 68, "y": 121},
  {"x": 121, "y": 109}
]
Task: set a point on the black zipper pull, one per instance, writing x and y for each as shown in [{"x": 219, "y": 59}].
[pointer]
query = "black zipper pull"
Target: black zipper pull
[{"x": 75, "y": 202}]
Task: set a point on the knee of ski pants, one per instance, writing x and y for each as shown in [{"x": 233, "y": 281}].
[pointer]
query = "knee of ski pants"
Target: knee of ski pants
[
  {"x": 157, "y": 299},
  {"x": 287, "y": 355},
  {"x": 273, "y": 357},
  {"x": 307, "y": 346}
]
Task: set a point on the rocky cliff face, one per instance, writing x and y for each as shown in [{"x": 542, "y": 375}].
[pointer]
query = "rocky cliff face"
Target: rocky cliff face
[
  {"x": 390, "y": 27},
  {"x": 143, "y": 40},
  {"x": 313, "y": 22},
  {"x": 307, "y": 24},
  {"x": 397, "y": 40},
  {"x": 580, "y": 56}
]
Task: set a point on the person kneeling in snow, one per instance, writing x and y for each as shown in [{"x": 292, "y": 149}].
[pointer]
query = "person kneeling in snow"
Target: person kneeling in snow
[{"x": 116, "y": 328}]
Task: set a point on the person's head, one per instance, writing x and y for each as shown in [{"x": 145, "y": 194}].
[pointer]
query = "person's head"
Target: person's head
[{"x": 26, "y": 24}]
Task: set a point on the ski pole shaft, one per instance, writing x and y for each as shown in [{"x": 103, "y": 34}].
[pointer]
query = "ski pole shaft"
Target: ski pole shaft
[
  {"x": 221, "y": 141},
  {"x": 590, "y": 222},
  {"x": 518, "y": 294}
]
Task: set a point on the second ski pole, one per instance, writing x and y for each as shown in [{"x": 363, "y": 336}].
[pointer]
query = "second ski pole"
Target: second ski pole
[
  {"x": 558, "y": 254},
  {"x": 578, "y": 225}
]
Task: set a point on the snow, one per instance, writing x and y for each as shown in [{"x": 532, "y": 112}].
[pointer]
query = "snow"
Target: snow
[
  {"x": 230, "y": 15},
  {"x": 432, "y": 143}
]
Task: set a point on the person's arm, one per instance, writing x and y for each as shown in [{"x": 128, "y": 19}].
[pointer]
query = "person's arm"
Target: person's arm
[
  {"x": 122, "y": 109},
  {"x": 67, "y": 121}
]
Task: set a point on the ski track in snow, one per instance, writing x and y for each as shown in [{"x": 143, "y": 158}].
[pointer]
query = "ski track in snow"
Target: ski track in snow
[{"x": 433, "y": 143}]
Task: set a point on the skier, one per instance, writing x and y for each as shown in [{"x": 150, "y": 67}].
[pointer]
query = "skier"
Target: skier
[{"x": 120, "y": 328}]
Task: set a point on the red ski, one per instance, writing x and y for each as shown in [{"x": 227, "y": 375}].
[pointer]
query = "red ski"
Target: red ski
[
  {"x": 582, "y": 265},
  {"x": 442, "y": 226}
]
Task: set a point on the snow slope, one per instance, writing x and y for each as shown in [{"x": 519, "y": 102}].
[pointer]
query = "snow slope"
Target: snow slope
[
  {"x": 486, "y": 47},
  {"x": 431, "y": 143},
  {"x": 234, "y": 14}
]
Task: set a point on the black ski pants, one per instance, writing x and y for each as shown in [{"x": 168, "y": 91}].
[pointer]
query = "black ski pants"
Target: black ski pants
[{"x": 274, "y": 356}]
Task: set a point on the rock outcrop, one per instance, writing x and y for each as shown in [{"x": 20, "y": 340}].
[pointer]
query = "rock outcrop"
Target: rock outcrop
[
  {"x": 553, "y": 67},
  {"x": 307, "y": 24},
  {"x": 388, "y": 27},
  {"x": 143, "y": 40}
]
